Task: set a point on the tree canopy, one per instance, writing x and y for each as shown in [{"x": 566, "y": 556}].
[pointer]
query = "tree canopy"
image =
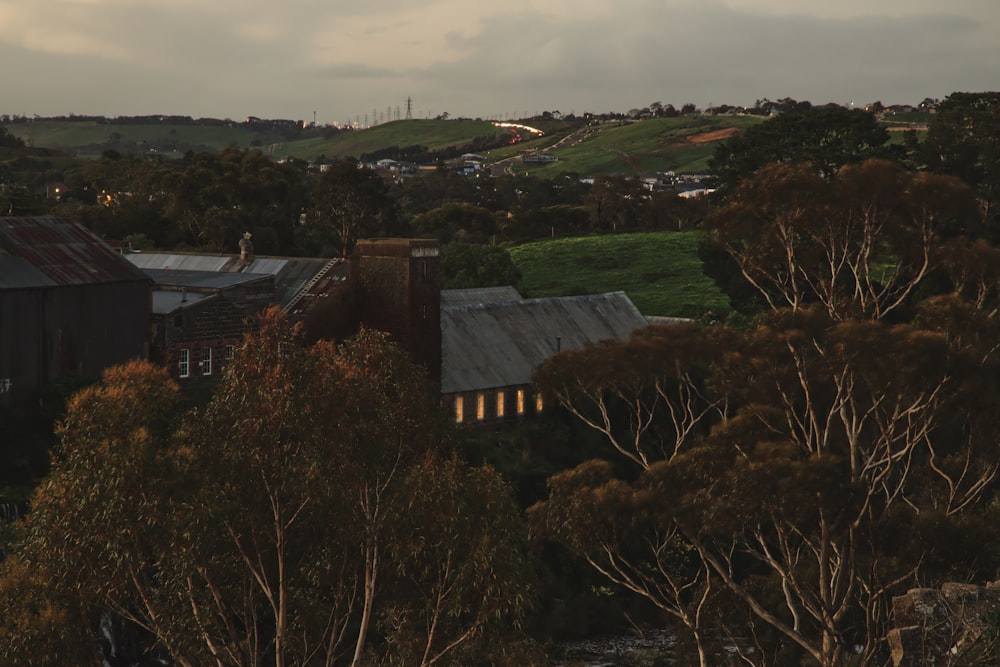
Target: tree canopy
[
  {"x": 311, "y": 513},
  {"x": 825, "y": 137}
]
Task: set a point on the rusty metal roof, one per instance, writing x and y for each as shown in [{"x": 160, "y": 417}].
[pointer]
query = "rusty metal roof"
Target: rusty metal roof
[
  {"x": 48, "y": 252},
  {"x": 498, "y": 345}
]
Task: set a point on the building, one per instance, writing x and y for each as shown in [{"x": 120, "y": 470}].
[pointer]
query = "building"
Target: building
[
  {"x": 492, "y": 340},
  {"x": 203, "y": 304},
  {"x": 69, "y": 305},
  {"x": 398, "y": 287},
  {"x": 198, "y": 318}
]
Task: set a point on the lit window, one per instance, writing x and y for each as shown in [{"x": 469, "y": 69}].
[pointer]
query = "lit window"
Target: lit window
[
  {"x": 206, "y": 361},
  {"x": 500, "y": 404},
  {"x": 230, "y": 351},
  {"x": 481, "y": 406},
  {"x": 184, "y": 363},
  {"x": 459, "y": 409},
  {"x": 538, "y": 403},
  {"x": 520, "y": 401}
]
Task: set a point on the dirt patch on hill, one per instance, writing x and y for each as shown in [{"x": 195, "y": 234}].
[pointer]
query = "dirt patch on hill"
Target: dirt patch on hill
[{"x": 706, "y": 137}]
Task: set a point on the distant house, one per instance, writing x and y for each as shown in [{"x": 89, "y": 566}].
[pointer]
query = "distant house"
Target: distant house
[
  {"x": 492, "y": 340},
  {"x": 69, "y": 304}
]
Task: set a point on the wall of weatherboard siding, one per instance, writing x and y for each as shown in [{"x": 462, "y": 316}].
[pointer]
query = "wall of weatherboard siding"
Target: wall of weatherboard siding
[{"x": 46, "y": 332}]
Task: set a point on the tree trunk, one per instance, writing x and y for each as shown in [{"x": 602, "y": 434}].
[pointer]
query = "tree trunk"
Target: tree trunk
[{"x": 371, "y": 570}]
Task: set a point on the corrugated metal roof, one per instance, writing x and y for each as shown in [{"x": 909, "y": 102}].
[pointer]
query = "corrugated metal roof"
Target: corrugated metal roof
[
  {"x": 497, "y": 345},
  {"x": 202, "y": 279},
  {"x": 181, "y": 261},
  {"x": 471, "y": 297},
  {"x": 291, "y": 274},
  {"x": 166, "y": 302},
  {"x": 45, "y": 252}
]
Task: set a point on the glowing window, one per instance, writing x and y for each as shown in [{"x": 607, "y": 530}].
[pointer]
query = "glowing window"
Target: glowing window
[
  {"x": 538, "y": 403},
  {"x": 500, "y": 404},
  {"x": 481, "y": 406},
  {"x": 459, "y": 409},
  {"x": 520, "y": 401}
]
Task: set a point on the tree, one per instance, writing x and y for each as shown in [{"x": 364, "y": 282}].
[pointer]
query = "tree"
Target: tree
[
  {"x": 466, "y": 266},
  {"x": 859, "y": 243},
  {"x": 816, "y": 456},
  {"x": 826, "y": 137},
  {"x": 460, "y": 222},
  {"x": 348, "y": 202},
  {"x": 964, "y": 141},
  {"x": 649, "y": 400},
  {"x": 280, "y": 523},
  {"x": 616, "y": 203}
]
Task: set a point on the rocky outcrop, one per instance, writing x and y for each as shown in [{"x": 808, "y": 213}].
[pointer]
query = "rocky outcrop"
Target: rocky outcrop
[{"x": 956, "y": 625}]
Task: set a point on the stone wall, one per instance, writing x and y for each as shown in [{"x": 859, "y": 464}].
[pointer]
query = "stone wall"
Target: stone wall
[{"x": 951, "y": 627}]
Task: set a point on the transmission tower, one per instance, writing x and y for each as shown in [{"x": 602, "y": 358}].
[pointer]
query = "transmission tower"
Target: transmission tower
[{"x": 409, "y": 108}]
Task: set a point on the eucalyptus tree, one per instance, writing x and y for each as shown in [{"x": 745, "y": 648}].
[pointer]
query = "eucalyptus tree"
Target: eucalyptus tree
[
  {"x": 310, "y": 513},
  {"x": 800, "y": 469},
  {"x": 860, "y": 244}
]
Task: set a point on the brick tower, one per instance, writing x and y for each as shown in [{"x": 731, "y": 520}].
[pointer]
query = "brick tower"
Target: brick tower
[{"x": 399, "y": 286}]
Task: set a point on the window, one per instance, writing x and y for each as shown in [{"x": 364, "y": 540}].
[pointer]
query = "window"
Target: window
[
  {"x": 184, "y": 363},
  {"x": 520, "y": 401},
  {"x": 481, "y": 406},
  {"x": 206, "y": 361},
  {"x": 230, "y": 351},
  {"x": 500, "y": 404},
  {"x": 459, "y": 410},
  {"x": 538, "y": 403}
]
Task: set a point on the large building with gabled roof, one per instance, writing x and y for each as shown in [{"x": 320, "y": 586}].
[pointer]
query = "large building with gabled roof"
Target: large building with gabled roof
[
  {"x": 492, "y": 340},
  {"x": 69, "y": 305}
]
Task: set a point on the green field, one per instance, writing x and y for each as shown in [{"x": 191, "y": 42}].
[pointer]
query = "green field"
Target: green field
[
  {"x": 659, "y": 271},
  {"x": 434, "y": 134},
  {"x": 660, "y": 144},
  {"x": 90, "y": 138}
]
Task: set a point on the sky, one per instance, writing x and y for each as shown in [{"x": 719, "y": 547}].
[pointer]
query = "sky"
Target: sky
[{"x": 339, "y": 62}]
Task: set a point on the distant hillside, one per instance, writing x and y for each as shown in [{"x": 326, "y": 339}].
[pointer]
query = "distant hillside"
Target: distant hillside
[
  {"x": 587, "y": 148},
  {"x": 680, "y": 144}
]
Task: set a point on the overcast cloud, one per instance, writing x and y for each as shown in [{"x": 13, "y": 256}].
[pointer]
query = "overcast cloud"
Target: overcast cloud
[{"x": 343, "y": 60}]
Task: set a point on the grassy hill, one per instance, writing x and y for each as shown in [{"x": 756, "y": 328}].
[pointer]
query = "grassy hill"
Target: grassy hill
[
  {"x": 88, "y": 138},
  {"x": 659, "y": 271},
  {"x": 434, "y": 134},
  {"x": 658, "y": 144},
  {"x": 679, "y": 144}
]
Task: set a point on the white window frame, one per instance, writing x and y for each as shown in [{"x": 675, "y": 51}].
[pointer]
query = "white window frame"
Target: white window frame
[
  {"x": 206, "y": 361},
  {"x": 184, "y": 363},
  {"x": 230, "y": 352}
]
